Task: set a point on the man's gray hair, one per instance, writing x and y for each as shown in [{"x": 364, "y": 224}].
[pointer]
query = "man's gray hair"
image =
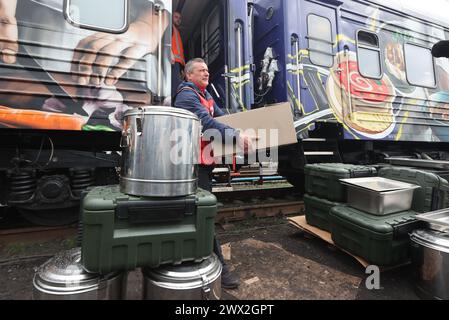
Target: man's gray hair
[{"x": 191, "y": 64}]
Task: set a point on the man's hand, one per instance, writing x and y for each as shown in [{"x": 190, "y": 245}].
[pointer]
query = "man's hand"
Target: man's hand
[
  {"x": 247, "y": 143},
  {"x": 8, "y": 31},
  {"x": 94, "y": 55}
]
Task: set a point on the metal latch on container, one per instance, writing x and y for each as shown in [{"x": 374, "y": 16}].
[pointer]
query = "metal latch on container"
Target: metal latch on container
[
  {"x": 205, "y": 289},
  {"x": 139, "y": 122}
]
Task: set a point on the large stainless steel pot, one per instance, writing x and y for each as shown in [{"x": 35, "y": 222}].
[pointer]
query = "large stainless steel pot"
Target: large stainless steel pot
[
  {"x": 188, "y": 281},
  {"x": 160, "y": 152},
  {"x": 430, "y": 260},
  {"x": 64, "y": 278}
]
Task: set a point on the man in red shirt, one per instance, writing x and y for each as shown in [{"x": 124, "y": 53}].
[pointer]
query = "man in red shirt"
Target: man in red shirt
[{"x": 193, "y": 96}]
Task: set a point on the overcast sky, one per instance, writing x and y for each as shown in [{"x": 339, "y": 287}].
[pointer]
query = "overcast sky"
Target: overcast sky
[{"x": 439, "y": 9}]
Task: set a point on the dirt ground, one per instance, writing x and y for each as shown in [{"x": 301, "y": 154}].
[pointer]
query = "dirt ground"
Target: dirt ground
[{"x": 274, "y": 260}]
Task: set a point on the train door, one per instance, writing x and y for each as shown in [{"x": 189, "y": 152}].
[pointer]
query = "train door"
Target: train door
[
  {"x": 313, "y": 50},
  {"x": 238, "y": 55}
]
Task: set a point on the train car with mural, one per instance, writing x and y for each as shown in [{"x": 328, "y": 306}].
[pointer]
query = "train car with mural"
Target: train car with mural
[
  {"x": 359, "y": 76},
  {"x": 69, "y": 69}
]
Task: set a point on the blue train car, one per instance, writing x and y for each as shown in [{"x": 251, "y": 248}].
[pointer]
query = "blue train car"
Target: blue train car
[
  {"x": 364, "y": 64},
  {"x": 359, "y": 74}
]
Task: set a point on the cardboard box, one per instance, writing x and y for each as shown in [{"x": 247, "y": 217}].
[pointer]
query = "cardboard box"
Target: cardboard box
[{"x": 273, "y": 126}]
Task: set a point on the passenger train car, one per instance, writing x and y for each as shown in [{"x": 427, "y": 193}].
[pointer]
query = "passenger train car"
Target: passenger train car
[
  {"x": 69, "y": 70},
  {"x": 359, "y": 75}
]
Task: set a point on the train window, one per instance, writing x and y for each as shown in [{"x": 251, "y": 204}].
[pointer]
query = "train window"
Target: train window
[
  {"x": 419, "y": 66},
  {"x": 320, "y": 40},
  {"x": 368, "y": 53},
  {"x": 93, "y": 14}
]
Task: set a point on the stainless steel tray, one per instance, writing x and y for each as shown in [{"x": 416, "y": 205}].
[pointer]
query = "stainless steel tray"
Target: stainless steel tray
[
  {"x": 421, "y": 163},
  {"x": 437, "y": 220},
  {"x": 379, "y": 196},
  {"x": 378, "y": 184}
]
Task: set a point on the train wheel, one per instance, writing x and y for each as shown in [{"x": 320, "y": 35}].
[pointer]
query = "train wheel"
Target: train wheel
[{"x": 51, "y": 217}]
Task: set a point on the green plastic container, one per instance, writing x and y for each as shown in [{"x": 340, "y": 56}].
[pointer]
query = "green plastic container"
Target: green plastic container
[
  {"x": 381, "y": 240},
  {"x": 434, "y": 191},
  {"x": 317, "y": 211},
  {"x": 322, "y": 179},
  {"x": 122, "y": 232}
]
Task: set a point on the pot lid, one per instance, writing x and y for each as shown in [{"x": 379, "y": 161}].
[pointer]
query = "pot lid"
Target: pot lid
[
  {"x": 64, "y": 272},
  {"x": 431, "y": 238},
  {"x": 161, "y": 110},
  {"x": 187, "y": 275}
]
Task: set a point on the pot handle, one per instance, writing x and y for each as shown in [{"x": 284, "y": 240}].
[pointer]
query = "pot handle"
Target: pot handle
[
  {"x": 124, "y": 141},
  {"x": 139, "y": 123}
]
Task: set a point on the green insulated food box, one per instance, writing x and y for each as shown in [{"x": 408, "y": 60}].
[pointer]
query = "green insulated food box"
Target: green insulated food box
[
  {"x": 317, "y": 211},
  {"x": 381, "y": 240},
  {"x": 322, "y": 179},
  {"x": 434, "y": 191},
  {"x": 123, "y": 232}
]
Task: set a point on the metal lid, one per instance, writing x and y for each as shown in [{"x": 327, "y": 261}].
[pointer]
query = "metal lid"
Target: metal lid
[
  {"x": 64, "y": 274},
  {"x": 188, "y": 275},
  {"x": 431, "y": 239},
  {"x": 161, "y": 110}
]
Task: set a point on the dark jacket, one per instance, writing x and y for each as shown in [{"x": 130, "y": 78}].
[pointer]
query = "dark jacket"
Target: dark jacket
[{"x": 189, "y": 100}]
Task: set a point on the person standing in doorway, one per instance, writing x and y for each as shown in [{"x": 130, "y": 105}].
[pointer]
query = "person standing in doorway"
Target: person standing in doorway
[
  {"x": 177, "y": 56},
  {"x": 193, "y": 96}
]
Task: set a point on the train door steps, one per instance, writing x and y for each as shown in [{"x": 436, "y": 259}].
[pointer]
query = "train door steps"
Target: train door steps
[
  {"x": 318, "y": 150},
  {"x": 301, "y": 223}
]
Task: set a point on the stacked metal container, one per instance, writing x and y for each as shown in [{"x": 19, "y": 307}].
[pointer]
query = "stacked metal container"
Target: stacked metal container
[
  {"x": 379, "y": 238},
  {"x": 157, "y": 219},
  {"x": 325, "y": 191},
  {"x": 373, "y": 216},
  {"x": 64, "y": 278},
  {"x": 430, "y": 255}
]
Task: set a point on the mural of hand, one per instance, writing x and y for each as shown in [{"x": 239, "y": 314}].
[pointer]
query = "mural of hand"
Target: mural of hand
[
  {"x": 93, "y": 59},
  {"x": 8, "y": 31}
]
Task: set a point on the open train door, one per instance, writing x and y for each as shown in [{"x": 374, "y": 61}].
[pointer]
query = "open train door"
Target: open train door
[{"x": 238, "y": 55}]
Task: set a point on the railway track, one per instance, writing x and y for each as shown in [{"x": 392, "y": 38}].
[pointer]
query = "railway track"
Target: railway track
[
  {"x": 236, "y": 204},
  {"x": 226, "y": 214},
  {"x": 36, "y": 234}
]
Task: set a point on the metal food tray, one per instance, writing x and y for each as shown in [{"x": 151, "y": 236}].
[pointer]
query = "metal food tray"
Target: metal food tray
[
  {"x": 437, "y": 220},
  {"x": 378, "y": 184},
  {"x": 379, "y": 196}
]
